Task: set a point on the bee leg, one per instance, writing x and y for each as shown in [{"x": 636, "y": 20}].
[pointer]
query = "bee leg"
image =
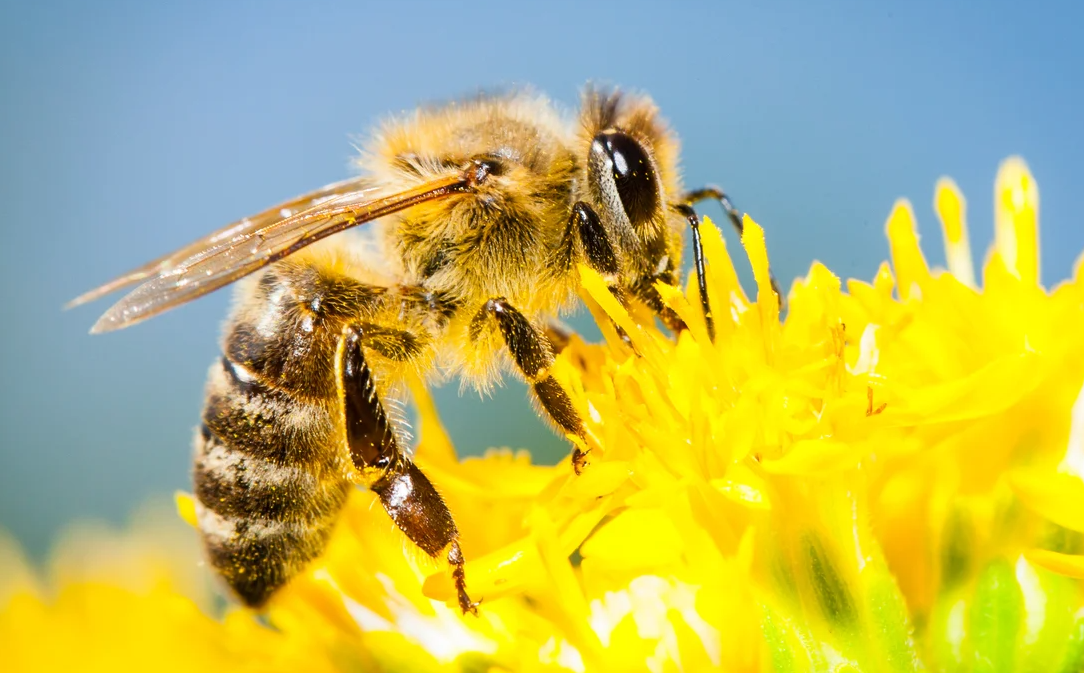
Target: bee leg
[
  {"x": 585, "y": 228},
  {"x": 735, "y": 217},
  {"x": 598, "y": 250},
  {"x": 558, "y": 334},
  {"x": 600, "y": 255},
  {"x": 405, "y": 492},
  {"x": 716, "y": 194},
  {"x": 533, "y": 355},
  {"x": 644, "y": 289},
  {"x": 622, "y": 296},
  {"x": 698, "y": 261}
]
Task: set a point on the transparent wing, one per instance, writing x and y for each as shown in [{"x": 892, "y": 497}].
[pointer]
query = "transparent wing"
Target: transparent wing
[
  {"x": 252, "y": 243},
  {"x": 234, "y": 229}
]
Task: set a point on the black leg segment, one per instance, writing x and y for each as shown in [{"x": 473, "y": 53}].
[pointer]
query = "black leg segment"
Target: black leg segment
[
  {"x": 534, "y": 357},
  {"x": 369, "y": 433},
  {"x": 417, "y": 509},
  {"x": 597, "y": 247},
  {"x": 698, "y": 261},
  {"x": 600, "y": 254},
  {"x": 735, "y": 216},
  {"x": 716, "y": 194},
  {"x": 559, "y": 336},
  {"x": 406, "y": 493}
]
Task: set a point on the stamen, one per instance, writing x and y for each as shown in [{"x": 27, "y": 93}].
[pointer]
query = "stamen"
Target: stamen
[
  {"x": 1016, "y": 220},
  {"x": 907, "y": 259},
  {"x": 952, "y": 210}
]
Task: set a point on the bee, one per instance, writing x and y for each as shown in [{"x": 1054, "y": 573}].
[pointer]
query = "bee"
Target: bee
[{"x": 480, "y": 212}]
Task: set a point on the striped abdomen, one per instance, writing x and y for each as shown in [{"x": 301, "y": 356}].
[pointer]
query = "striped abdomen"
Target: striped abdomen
[{"x": 269, "y": 477}]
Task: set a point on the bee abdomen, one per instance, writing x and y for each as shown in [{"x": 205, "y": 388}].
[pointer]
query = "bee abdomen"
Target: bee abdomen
[
  {"x": 268, "y": 481},
  {"x": 257, "y": 556},
  {"x": 234, "y": 483}
]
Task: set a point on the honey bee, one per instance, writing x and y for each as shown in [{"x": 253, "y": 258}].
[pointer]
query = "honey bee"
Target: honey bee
[{"x": 481, "y": 211}]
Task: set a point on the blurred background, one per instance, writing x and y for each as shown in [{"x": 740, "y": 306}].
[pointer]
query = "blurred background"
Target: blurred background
[{"x": 129, "y": 128}]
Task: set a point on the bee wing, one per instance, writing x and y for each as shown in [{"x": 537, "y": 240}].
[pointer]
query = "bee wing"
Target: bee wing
[
  {"x": 252, "y": 243},
  {"x": 238, "y": 228}
]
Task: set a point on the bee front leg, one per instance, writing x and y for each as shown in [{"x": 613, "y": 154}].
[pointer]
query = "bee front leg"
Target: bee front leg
[
  {"x": 600, "y": 254},
  {"x": 698, "y": 261},
  {"x": 597, "y": 247},
  {"x": 732, "y": 214},
  {"x": 716, "y": 194},
  {"x": 405, "y": 492},
  {"x": 533, "y": 355},
  {"x": 599, "y": 251}
]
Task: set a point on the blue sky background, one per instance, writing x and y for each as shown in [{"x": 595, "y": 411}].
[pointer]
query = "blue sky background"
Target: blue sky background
[{"x": 128, "y": 128}]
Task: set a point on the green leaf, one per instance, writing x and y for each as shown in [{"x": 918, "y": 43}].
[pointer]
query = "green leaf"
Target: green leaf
[
  {"x": 996, "y": 618},
  {"x": 888, "y": 621},
  {"x": 1051, "y": 601},
  {"x": 1073, "y": 662},
  {"x": 790, "y": 651},
  {"x": 831, "y": 590}
]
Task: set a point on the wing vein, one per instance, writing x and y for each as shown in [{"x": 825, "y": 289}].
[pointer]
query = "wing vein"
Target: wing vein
[{"x": 252, "y": 243}]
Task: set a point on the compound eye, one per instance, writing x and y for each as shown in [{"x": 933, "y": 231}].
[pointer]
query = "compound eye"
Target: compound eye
[{"x": 633, "y": 173}]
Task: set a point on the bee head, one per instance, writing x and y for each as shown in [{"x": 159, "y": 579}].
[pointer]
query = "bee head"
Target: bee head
[{"x": 631, "y": 175}]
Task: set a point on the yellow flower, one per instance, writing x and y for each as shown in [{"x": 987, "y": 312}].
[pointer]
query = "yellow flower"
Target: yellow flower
[
  {"x": 890, "y": 479},
  {"x": 133, "y": 602}
]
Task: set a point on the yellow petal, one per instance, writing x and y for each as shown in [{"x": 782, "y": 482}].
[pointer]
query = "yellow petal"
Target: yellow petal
[
  {"x": 816, "y": 456},
  {"x": 186, "y": 508},
  {"x": 993, "y": 388},
  {"x": 597, "y": 288},
  {"x": 1070, "y": 565},
  {"x": 637, "y": 538},
  {"x": 1058, "y": 497},
  {"x": 724, "y": 289},
  {"x": 753, "y": 240},
  {"x": 744, "y": 494},
  {"x": 507, "y": 570},
  {"x": 599, "y": 480}
]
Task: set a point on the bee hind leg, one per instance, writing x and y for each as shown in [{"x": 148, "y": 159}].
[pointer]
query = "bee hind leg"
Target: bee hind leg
[
  {"x": 534, "y": 356},
  {"x": 405, "y": 492}
]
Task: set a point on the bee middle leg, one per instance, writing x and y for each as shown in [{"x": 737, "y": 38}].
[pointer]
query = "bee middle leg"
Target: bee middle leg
[
  {"x": 558, "y": 334},
  {"x": 534, "y": 357},
  {"x": 405, "y": 492}
]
